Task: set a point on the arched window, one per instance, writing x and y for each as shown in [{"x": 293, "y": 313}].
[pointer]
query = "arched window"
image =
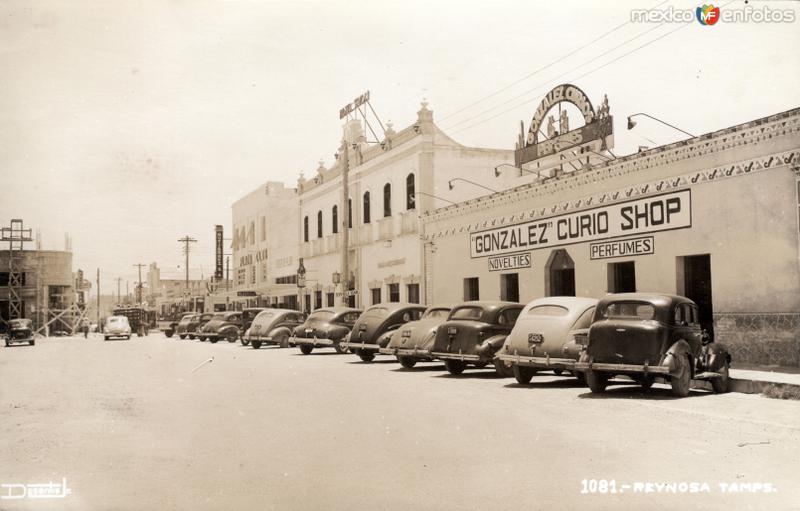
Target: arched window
[
  {"x": 319, "y": 224},
  {"x": 366, "y": 207},
  {"x": 350, "y": 213},
  {"x": 305, "y": 228},
  {"x": 410, "y": 199},
  {"x": 387, "y": 200},
  {"x": 335, "y": 219}
]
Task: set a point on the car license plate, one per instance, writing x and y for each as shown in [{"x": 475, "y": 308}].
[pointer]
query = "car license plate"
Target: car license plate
[
  {"x": 309, "y": 330},
  {"x": 406, "y": 333},
  {"x": 535, "y": 338}
]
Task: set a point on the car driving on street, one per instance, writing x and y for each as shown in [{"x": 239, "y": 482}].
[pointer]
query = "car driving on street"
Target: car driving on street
[
  {"x": 19, "y": 331},
  {"x": 117, "y": 326}
]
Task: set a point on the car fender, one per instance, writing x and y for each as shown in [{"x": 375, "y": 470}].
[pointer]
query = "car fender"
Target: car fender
[
  {"x": 678, "y": 349},
  {"x": 275, "y": 332},
  {"x": 227, "y": 328},
  {"x": 385, "y": 337},
  {"x": 717, "y": 356},
  {"x": 492, "y": 345}
]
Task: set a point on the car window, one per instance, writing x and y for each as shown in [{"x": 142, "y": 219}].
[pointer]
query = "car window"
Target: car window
[
  {"x": 508, "y": 317},
  {"x": 548, "y": 310},
  {"x": 377, "y": 312},
  {"x": 694, "y": 315},
  {"x": 470, "y": 313},
  {"x": 321, "y": 315},
  {"x": 351, "y": 317},
  {"x": 640, "y": 310},
  {"x": 436, "y": 313},
  {"x": 585, "y": 320},
  {"x": 680, "y": 315}
]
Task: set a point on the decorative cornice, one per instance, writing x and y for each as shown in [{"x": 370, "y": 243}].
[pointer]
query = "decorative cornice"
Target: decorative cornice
[{"x": 752, "y": 166}]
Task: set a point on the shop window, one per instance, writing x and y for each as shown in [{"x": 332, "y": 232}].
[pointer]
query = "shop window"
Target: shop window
[
  {"x": 410, "y": 191},
  {"x": 329, "y": 298},
  {"x": 366, "y": 208},
  {"x": 376, "y": 295},
  {"x": 621, "y": 277},
  {"x": 413, "y": 293},
  {"x": 560, "y": 274},
  {"x": 394, "y": 292},
  {"x": 317, "y": 299},
  {"x": 471, "y": 291},
  {"x": 319, "y": 224},
  {"x": 305, "y": 229},
  {"x": 387, "y": 200},
  {"x": 509, "y": 287},
  {"x": 335, "y": 219}
]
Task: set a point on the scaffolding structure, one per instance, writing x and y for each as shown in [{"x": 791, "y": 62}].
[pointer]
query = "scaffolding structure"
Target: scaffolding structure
[{"x": 16, "y": 236}]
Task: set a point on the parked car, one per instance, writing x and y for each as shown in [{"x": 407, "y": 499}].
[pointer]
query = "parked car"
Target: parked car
[
  {"x": 648, "y": 335},
  {"x": 412, "y": 342},
  {"x": 325, "y": 328},
  {"x": 544, "y": 336},
  {"x": 223, "y": 325},
  {"x": 375, "y": 327},
  {"x": 473, "y": 333},
  {"x": 19, "y": 331},
  {"x": 187, "y": 326},
  {"x": 248, "y": 315},
  {"x": 272, "y": 326},
  {"x": 204, "y": 318},
  {"x": 137, "y": 318},
  {"x": 117, "y": 326}
]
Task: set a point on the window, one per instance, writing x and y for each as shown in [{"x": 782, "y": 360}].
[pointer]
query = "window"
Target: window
[
  {"x": 471, "y": 289},
  {"x": 585, "y": 321},
  {"x": 387, "y": 200},
  {"x": 317, "y": 299},
  {"x": 410, "y": 191},
  {"x": 509, "y": 287},
  {"x": 319, "y": 224},
  {"x": 366, "y": 207},
  {"x": 412, "y": 290},
  {"x": 394, "y": 292},
  {"x": 473, "y": 313},
  {"x": 376, "y": 295},
  {"x": 548, "y": 310},
  {"x": 639, "y": 310},
  {"x": 263, "y": 229},
  {"x": 621, "y": 277},
  {"x": 5, "y": 278},
  {"x": 330, "y": 299},
  {"x": 305, "y": 229},
  {"x": 350, "y": 213},
  {"x": 291, "y": 279},
  {"x": 335, "y": 219}
]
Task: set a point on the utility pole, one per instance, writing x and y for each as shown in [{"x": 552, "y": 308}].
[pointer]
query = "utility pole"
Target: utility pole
[
  {"x": 119, "y": 300},
  {"x": 139, "y": 289},
  {"x": 98, "y": 298},
  {"x": 227, "y": 273},
  {"x": 186, "y": 240}
]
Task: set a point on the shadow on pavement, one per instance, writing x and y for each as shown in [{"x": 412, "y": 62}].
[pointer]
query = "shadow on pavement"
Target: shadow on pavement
[
  {"x": 566, "y": 383},
  {"x": 631, "y": 390},
  {"x": 474, "y": 374},
  {"x": 420, "y": 369}
]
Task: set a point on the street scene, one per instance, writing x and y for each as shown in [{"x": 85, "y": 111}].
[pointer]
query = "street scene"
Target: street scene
[{"x": 326, "y": 255}]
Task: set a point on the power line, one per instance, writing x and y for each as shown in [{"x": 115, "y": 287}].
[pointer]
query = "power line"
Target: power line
[{"x": 539, "y": 70}]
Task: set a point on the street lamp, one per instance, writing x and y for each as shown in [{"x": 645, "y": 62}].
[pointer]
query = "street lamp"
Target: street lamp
[
  {"x": 497, "y": 170},
  {"x": 632, "y": 123},
  {"x": 434, "y": 196},
  {"x": 450, "y": 184}
]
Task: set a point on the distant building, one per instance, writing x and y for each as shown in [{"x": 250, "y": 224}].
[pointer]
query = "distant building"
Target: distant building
[{"x": 170, "y": 296}]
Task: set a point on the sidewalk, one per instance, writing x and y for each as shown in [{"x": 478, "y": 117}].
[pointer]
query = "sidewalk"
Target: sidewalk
[{"x": 754, "y": 379}]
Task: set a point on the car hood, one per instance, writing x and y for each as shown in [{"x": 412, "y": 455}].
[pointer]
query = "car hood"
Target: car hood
[{"x": 420, "y": 334}]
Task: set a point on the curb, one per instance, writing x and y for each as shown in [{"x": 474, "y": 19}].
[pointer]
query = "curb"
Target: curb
[{"x": 746, "y": 386}]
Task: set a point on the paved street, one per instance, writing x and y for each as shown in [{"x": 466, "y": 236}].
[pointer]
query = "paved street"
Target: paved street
[{"x": 131, "y": 426}]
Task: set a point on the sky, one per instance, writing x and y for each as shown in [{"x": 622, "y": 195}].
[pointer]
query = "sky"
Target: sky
[{"x": 130, "y": 124}]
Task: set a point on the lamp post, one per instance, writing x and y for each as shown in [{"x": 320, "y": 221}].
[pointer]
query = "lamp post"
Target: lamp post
[{"x": 632, "y": 123}]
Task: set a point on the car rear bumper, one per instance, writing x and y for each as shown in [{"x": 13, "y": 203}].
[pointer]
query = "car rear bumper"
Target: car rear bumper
[
  {"x": 408, "y": 352},
  {"x": 464, "y": 357},
  {"x": 539, "y": 362},
  {"x": 361, "y": 346},
  {"x": 311, "y": 341},
  {"x": 620, "y": 368}
]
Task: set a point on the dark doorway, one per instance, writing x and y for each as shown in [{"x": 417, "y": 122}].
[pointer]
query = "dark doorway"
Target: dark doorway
[
  {"x": 509, "y": 287},
  {"x": 697, "y": 287},
  {"x": 560, "y": 274},
  {"x": 622, "y": 277}
]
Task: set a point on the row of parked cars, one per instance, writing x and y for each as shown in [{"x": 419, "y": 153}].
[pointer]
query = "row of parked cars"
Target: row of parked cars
[{"x": 643, "y": 336}]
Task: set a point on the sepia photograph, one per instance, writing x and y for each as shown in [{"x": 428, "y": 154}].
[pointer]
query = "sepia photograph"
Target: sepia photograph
[{"x": 446, "y": 255}]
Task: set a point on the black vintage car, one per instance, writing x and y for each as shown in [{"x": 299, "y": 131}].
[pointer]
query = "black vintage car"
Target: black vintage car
[
  {"x": 187, "y": 326},
  {"x": 413, "y": 341},
  {"x": 645, "y": 336},
  {"x": 223, "y": 325},
  {"x": 375, "y": 327},
  {"x": 248, "y": 315},
  {"x": 19, "y": 331},
  {"x": 473, "y": 333},
  {"x": 272, "y": 326},
  {"x": 325, "y": 328}
]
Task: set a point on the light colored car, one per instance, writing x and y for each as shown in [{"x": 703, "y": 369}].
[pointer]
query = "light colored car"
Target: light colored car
[
  {"x": 117, "y": 326},
  {"x": 413, "y": 341},
  {"x": 545, "y": 336},
  {"x": 272, "y": 326}
]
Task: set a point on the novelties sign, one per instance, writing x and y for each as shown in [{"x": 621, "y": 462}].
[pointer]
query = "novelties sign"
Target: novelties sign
[{"x": 650, "y": 214}]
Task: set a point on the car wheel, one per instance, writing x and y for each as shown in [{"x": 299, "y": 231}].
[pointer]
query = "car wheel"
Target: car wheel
[
  {"x": 407, "y": 362},
  {"x": 523, "y": 375},
  {"x": 244, "y": 341},
  {"x": 455, "y": 366},
  {"x": 306, "y": 349},
  {"x": 366, "y": 356},
  {"x": 341, "y": 349},
  {"x": 720, "y": 384},
  {"x": 256, "y": 344},
  {"x": 502, "y": 369},
  {"x": 231, "y": 336},
  {"x": 597, "y": 381},
  {"x": 213, "y": 340},
  {"x": 682, "y": 379},
  {"x": 192, "y": 336},
  {"x": 282, "y": 340},
  {"x": 182, "y": 336},
  {"x": 580, "y": 377},
  {"x": 31, "y": 342},
  {"x": 128, "y": 338},
  {"x": 105, "y": 338},
  {"x": 168, "y": 333}
]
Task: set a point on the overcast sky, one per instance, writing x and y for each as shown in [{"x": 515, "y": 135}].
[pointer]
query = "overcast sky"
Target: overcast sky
[{"x": 130, "y": 124}]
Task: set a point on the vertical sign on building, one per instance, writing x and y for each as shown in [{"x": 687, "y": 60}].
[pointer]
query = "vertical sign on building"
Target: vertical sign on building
[{"x": 219, "y": 255}]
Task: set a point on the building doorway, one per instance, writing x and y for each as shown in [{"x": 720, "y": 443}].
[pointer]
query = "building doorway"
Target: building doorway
[
  {"x": 622, "y": 277},
  {"x": 509, "y": 287},
  {"x": 560, "y": 274},
  {"x": 694, "y": 282}
]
